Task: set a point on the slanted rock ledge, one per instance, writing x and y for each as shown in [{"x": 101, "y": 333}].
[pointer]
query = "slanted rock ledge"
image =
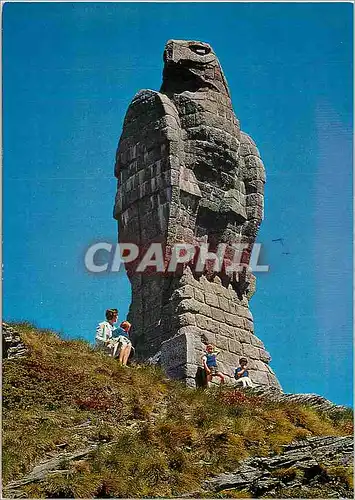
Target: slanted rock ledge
[
  {"x": 313, "y": 400},
  {"x": 12, "y": 345},
  {"x": 302, "y": 465}
]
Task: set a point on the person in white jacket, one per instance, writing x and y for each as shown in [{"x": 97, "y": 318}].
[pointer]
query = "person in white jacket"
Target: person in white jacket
[{"x": 104, "y": 338}]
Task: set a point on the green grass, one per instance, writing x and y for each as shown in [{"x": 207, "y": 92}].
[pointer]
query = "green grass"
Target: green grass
[{"x": 157, "y": 438}]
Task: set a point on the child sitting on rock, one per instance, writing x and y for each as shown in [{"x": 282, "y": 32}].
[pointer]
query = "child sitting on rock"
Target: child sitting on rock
[
  {"x": 241, "y": 374},
  {"x": 121, "y": 335},
  {"x": 209, "y": 362}
]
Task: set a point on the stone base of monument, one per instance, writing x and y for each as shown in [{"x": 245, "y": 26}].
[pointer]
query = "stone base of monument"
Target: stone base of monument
[
  {"x": 179, "y": 356},
  {"x": 207, "y": 312}
]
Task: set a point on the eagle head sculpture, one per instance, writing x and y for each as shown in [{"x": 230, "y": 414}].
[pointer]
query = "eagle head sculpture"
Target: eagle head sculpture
[{"x": 192, "y": 66}]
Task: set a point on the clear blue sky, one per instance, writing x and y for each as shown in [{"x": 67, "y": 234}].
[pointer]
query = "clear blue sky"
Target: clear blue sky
[{"x": 69, "y": 74}]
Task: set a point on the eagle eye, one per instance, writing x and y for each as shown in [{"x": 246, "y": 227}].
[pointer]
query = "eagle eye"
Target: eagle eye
[{"x": 200, "y": 49}]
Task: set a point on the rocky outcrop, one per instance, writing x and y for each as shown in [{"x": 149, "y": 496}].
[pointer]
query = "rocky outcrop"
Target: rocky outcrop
[
  {"x": 12, "y": 345},
  {"x": 52, "y": 466},
  {"x": 314, "y": 400},
  {"x": 314, "y": 463}
]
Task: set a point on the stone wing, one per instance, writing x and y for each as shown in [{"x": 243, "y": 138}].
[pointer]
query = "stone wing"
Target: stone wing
[
  {"x": 147, "y": 167},
  {"x": 253, "y": 173}
]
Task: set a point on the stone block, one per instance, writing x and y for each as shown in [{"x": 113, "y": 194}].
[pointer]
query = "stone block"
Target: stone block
[
  {"x": 250, "y": 351},
  {"x": 244, "y": 336},
  {"x": 187, "y": 319},
  {"x": 235, "y": 347},
  {"x": 248, "y": 325},
  {"x": 188, "y": 279},
  {"x": 211, "y": 299},
  {"x": 208, "y": 338},
  {"x": 240, "y": 322},
  {"x": 205, "y": 283},
  {"x": 191, "y": 369},
  {"x": 261, "y": 366},
  {"x": 185, "y": 292},
  {"x": 264, "y": 356},
  {"x": 205, "y": 309},
  {"x": 189, "y": 305},
  {"x": 222, "y": 342},
  {"x": 217, "y": 315},
  {"x": 222, "y": 367},
  {"x": 223, "y": 304},
  {"x": 205, "y": 323},
  {"x": 273, "y": 381},
  {"x": 176, "y": 351},
  {"x": 231, "y": 319},
  {"x": 215, "y": 326},
  {"x": 252, "y": 364},
  {"x": 225, "y": 292},
  {"x": 230, "y": 360},
  {"x": 259, "y": 377},
  {"x": 212, "y": 326},
  {"x": 233, "y": 309},
  {"x": 248, "y": 314},
  {"x": 254, "y": 199},
  {"x": 228, "y": 331},
  {"x": 216, "y": 288},
  {"x": 242, "y": 311},
  {"x": 201, "y": 321},
  {"x": 223, "y": 329},
  {"x": 255, "y": 341},
  {"x": 255, "y": 213},
  {"x": 192, "y": 332},
  {"x": 199, "y": 295}
]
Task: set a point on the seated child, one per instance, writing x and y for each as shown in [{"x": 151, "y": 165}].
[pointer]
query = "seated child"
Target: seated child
[
  {"x": 209, "y": 363},
  {"x": 104, "y": 331},
  {"x": 124, "y": 343},
  {"x": 241, "y": 374}
]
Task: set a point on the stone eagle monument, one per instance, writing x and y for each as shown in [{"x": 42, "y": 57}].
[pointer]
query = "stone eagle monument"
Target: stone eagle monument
[{"x": 188, "y": 175}]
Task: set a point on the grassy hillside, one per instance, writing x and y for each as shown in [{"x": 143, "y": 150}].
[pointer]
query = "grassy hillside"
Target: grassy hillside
[{"x": 157, "y": 438}]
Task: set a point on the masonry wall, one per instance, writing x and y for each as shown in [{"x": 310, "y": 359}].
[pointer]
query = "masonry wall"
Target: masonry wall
[{"x": 208, "y": 312}]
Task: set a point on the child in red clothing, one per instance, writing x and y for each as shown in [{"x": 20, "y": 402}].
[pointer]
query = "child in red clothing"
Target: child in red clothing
[{"x": 124, "y": 342}]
